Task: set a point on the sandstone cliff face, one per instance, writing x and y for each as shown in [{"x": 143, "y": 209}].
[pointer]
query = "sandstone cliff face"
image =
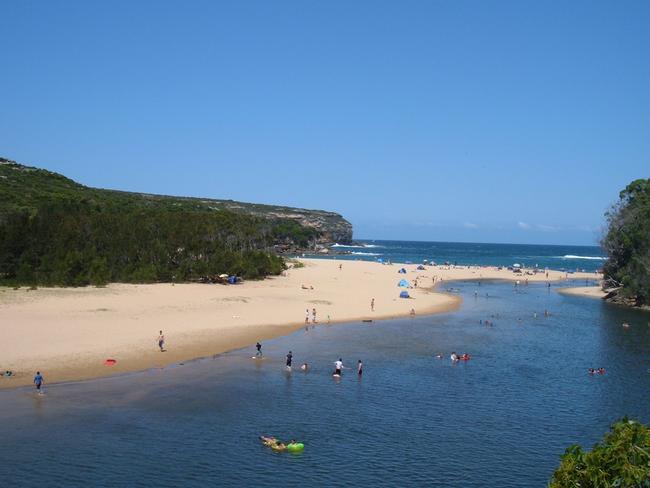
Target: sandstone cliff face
[{"x": 332, "y": 226}]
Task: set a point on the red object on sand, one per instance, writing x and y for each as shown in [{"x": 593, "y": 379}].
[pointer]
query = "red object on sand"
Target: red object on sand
[{"x": 110, "y": 362}]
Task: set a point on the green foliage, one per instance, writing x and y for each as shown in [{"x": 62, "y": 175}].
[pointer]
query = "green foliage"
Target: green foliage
[
  {"x": 621, "y": 460},
  {"x": 627, "y": 242},
  {"x": 79, "y": 242},
  {"x": 292, "y": 232},
  {"x": 54, "y": 231}
]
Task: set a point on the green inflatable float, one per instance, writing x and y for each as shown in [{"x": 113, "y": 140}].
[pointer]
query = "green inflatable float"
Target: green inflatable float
[{"x": 295, "y": 447}]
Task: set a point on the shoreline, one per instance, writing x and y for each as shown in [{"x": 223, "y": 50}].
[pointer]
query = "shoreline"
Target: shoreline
[
  {"x": 80, "y": 328},
  {"x": 583, "y": 291}
]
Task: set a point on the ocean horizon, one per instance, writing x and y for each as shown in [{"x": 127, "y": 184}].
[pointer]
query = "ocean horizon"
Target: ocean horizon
[{"x": 552, "y": 256}]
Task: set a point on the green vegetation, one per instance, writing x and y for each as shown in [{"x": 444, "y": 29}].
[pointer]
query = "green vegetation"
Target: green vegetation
[
  {"x": 621, "y": 460},
  {"x": 54, "y": 231},
  {"x": 627, "y": 242}
]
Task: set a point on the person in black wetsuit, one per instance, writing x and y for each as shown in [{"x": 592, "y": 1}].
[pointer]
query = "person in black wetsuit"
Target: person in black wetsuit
[
  {"x": 259, "y": 349},
  {"x": 289, "y": 359}
]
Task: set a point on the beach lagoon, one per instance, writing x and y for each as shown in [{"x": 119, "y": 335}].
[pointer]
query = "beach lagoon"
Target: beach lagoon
[{"x": 501, "y": 419}]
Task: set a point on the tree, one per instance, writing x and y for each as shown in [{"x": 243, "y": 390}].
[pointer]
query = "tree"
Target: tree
[
  {"x": 621, "y": 460},
  {"x": 627, "y": 243}
]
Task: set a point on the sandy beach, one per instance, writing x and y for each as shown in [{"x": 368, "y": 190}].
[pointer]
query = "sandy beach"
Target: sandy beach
[
  {"x": 68, "y": 333},
  {"x": 584, "y": 291}
]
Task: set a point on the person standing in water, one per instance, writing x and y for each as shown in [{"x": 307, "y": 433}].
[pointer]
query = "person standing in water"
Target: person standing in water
[
  {"x": 38, "y": 381},
  {"x": 289, "y": 360},
  {"x": 338, "y": 366},
  {"x": 161, "y": 341},
  {"x": 259, "y": 349},
  {"x": 313, "y": 315},
  {"x": 359, "y": 367},
  {"x": 306, "y": 316}
]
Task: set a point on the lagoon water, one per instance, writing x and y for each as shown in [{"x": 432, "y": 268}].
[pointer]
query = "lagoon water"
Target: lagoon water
[{"x": 500, "y": 420}]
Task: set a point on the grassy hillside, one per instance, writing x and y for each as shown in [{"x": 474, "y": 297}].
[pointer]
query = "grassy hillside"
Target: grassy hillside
[{"x": 25, "y": 187}]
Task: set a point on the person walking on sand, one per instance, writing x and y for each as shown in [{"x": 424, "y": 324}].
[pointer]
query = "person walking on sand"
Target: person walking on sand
[
  {"x": 161, "y": 341},
  {"x": 359, "y": 367},
  {"x": 259, "y": 349},
  {"x": 313, "y": 315},
  {"x": 38, "y": 381},
  {"x": 306, "y": 316},
  {"x": 289, "y": 360},
  {"x": 372, "y": 305}
]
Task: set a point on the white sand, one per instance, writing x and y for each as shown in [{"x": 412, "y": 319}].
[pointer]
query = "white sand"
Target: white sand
[
  {"x": 585, "y": 291},
  {"x": 67, "y": 333}
]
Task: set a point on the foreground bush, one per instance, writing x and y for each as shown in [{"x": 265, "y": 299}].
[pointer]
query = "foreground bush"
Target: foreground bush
[{"x": 621, "y": 460}]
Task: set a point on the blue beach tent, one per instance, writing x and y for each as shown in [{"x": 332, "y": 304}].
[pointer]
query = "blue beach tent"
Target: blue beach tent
[
  {"x": 404, "y": 294},
  {"x": 403, "y": 283}
]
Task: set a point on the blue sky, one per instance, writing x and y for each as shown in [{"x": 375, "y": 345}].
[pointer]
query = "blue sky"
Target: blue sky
[{"x": 430, "y": 120}]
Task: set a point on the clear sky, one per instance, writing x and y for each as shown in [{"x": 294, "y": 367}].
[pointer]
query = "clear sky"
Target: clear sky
[{"x": 488, "y": 121}]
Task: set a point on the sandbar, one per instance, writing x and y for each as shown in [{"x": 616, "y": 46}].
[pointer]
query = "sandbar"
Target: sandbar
[{"x": 68, "y": 333}]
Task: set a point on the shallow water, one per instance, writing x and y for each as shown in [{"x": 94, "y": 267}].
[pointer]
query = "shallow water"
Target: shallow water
[{"x": 500, "y": 420}]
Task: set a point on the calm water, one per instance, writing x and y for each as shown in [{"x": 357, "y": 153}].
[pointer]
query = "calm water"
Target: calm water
[
  {"x": 571, "y": 258},
  {"x": 499, "y": 420}
]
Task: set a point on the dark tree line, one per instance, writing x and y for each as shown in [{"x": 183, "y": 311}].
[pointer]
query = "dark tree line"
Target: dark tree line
[
  {"x": 627, "y": 242},
  {"x": 80, "y": 242}
]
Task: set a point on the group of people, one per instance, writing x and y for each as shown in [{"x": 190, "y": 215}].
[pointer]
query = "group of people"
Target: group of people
[
  {"x": 313, "y": 316},
  {"x": 338, "y": 365},
  {"x": 459, "y": 357},
  {"x": 278, "y": 445},
  {"x": 596, "y": 370}
]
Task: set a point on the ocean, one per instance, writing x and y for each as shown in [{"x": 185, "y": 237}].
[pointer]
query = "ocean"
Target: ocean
[
  {"x": 569, "y": 258},
  {"x": 501, "y": 419}
]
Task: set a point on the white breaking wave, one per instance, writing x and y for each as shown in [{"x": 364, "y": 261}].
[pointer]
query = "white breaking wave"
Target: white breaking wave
[
  {"x": 366, "y": 253},
  {"x": 363, "y": 246},
  {"x": 572, "y": 256}
]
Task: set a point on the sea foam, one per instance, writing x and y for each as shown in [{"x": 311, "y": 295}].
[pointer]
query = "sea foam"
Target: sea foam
[{"x": 572, "y": 256}]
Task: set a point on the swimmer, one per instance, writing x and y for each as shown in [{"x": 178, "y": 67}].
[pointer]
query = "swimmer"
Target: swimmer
[
  {"x": 454, "y": 356},
  {"x": 304, "y": 366},
  {"x": 278, "y": 446},
  {"x": 268, "y": 441},
  {"x": 439, "y": 355},
  {"x": 625, "y": 325}
]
